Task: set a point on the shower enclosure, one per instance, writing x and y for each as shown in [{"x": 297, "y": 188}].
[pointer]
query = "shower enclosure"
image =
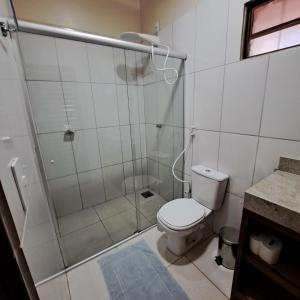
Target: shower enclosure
[{"x": 108, "y": 129}]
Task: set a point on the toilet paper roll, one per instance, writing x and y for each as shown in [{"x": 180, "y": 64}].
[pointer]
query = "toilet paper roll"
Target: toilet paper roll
[
  {"x": 270, "y": 249},
  {"x": 255, "y": 241}
]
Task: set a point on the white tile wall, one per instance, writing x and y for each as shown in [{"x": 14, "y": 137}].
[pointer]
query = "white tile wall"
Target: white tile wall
[
  {"x": 244, "y": 88},
  {"x": 101, "y": 62},
  {"x": 165, "y": 147},
  {"x": 65, "y": 194},
  {"x": 91, "y": 187},
  {"x": 281, "y": 110},
  {"x": 269, "y": 152},
  {"x": 184, "y": 38},
  {"x": 73, "y": 60},
  {"x": 110, "y": 145},
  {"x": 211, "y": 29},
  {"x": 126, "y": 143},
  {"x": 123, "y": 104},
  {"x": 57, "y": 154},
  {"x": 166, "y": 182},
  {"x": 86, "y": 150},
  {"x": 151, "y": 95},
  {"x": 208, "y": 98},
  {"x": 106, "y": 105},
  {"x": 166, "y": 35},
  {"x": 40, "y": 57},
  {"x": 206, "y": 148},
  {"x": 120, "y": 66},
  {"x": 114, "y": 181},
  {"x": 246, "y": 110},
  {"x": 134, "y": 111},
  {"x": 230, "y": 213},
  {"x": 48, "y": 106},
  {"x": 237, "y": 159},
  {"x": 79, "y": 105},
  {"x": 189, "y": 81}
]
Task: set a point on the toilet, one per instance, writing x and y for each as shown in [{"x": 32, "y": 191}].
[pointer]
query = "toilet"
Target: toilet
[{"x": 182, "y": 219}]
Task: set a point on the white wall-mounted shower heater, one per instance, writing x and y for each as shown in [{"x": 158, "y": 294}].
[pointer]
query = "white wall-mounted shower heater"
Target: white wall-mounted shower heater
[{"x": 154, "y": 41}]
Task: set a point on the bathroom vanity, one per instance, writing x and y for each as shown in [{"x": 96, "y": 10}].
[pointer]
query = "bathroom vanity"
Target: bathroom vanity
[{"x": 271, "y": 206}]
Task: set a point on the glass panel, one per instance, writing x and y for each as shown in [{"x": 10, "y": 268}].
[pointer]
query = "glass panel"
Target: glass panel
[
  {"x": 290, "y": 37},
  {"x": 163, "y": 127},
  {"x": 274, "y": 13},
  {"x": 34, "y": 226},
  {"x": 93, "y": 108},
  {"x": 264, "y": 44},
  {"x": 278, "y": 40}
]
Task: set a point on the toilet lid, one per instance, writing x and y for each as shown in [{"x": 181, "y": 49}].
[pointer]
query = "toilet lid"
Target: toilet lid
[{"x": 181, "y": 213}]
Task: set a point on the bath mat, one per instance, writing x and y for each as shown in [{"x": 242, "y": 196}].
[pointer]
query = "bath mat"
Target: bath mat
[{"x": 135, "y": 273}]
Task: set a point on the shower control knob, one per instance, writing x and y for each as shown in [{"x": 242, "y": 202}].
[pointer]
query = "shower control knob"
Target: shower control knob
[{"x": 52, "y": 161}]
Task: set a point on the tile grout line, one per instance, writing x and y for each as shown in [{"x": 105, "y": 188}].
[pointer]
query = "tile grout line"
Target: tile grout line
[
  {"x": 68, "y": 285},
  {"x": 97, "y": 131},
  {"x": 223, "y": 84},
  {"x": 261, "y": 117}
]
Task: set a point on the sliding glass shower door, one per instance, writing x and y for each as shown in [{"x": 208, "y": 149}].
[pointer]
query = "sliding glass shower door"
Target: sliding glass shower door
[{"x": 108, "y": 129}]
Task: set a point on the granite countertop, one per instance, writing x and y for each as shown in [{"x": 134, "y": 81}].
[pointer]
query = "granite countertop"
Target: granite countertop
[{"x": 277, "y": 197}]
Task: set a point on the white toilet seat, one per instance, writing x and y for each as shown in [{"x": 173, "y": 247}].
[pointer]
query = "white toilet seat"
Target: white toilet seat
[{"x": 182, "y": 214}]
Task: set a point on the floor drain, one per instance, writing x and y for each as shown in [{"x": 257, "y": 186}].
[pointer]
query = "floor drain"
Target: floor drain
[{"x": 147, "y": 194}]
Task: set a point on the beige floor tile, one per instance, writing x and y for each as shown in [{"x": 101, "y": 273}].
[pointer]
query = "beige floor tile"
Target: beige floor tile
[
  {"x": 193, "y": 282},
  {"x": 140, "y": 198},
  {"x": 123, "y": 225},
  {"x": 55, "y": 289},
  {"x": 203, "y": 257},
  {"x": 150, "y": 207},
  {"x": 113, "y": 207},
  {"x": 157, "y": 241},
  {"x": 85, "y": 242},
  {"x": 77, "y": 221},
  {"x": 87, "y": 281}
]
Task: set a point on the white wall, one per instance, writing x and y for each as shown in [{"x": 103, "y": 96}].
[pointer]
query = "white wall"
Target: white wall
[
  {"x": 100, "y": 17},
  {"x": 246, "y": 112},
  {"x": 35, "y": 228}
]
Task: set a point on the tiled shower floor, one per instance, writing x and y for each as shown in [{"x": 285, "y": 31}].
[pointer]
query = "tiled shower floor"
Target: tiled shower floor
[{"x": 93, "y": 229}]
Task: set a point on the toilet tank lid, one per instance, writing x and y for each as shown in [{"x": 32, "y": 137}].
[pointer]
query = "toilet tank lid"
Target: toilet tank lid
[{"x": 209, "y": 173}]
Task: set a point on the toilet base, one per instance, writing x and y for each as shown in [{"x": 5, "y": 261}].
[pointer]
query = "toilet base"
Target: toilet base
[{"x": 181, "y": 244}]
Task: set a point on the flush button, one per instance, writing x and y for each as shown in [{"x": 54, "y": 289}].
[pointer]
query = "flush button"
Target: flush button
[{"x": 207, "y": 170}]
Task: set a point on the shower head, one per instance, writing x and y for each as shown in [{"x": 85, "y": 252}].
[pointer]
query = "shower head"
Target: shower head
[{"x": 137, "y": 37}]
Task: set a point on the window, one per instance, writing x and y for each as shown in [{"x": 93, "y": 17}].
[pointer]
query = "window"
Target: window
[{"x": 270, "y": 25}]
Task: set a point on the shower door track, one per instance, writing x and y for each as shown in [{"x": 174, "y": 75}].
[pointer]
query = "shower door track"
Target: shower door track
[
  {"x": 76, "y": 35},
  {"x": 64, "y": 271}
]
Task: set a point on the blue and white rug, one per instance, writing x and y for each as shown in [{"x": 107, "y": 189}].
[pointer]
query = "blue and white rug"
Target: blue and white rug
[{"x": 135, "y": 273}]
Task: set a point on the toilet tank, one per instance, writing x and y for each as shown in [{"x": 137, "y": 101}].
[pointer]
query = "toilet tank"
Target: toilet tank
[{"x": 208, "y": 186}]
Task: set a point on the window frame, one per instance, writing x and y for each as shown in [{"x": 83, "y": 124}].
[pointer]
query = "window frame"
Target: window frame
[{"x": 247, "y": 35}]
